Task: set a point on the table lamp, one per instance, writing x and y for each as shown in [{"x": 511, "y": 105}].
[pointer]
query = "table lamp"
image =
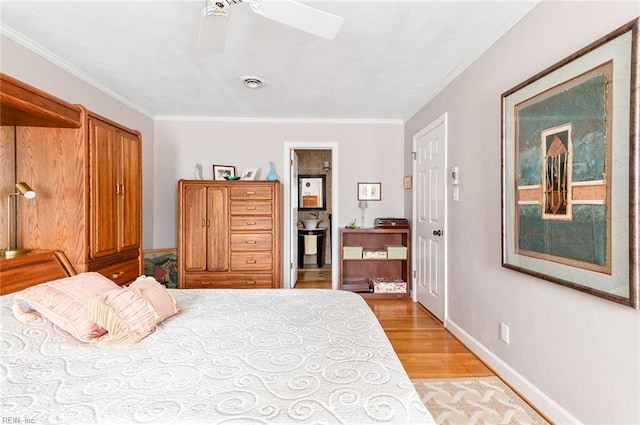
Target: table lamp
[{"x": 25, "y": 190}]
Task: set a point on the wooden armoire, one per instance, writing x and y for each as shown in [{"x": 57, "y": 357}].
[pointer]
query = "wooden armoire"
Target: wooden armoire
[
  {"x": 87, "y": 174},
  {"x": 228, "y": 234}
]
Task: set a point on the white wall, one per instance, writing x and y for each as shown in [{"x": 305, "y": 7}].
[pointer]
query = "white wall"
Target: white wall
[
  {"x": 368, "y": 152},
  {"x": 574, "y": 355},
  {"x": 33, "y": 69}
]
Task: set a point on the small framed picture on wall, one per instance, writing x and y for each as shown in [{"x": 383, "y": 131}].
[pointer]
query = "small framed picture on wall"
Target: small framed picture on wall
[{"x": 369, "y": 191}]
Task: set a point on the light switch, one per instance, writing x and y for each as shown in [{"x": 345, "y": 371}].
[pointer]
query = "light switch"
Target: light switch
[{"x": 454, "y": 175}]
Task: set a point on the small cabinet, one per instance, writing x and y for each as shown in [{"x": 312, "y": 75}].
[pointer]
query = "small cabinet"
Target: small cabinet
[
  {"x": 228, "y": 234},
  {"x": 357, "y": 269}
]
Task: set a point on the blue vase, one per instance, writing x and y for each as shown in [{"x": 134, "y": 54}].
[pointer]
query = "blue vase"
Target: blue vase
[{"x": 272, "y": 172}]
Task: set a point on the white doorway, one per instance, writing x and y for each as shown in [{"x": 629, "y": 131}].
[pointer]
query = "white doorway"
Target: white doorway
[
  {"x": 429, "y": 212},
  {"x": 290, "y": 201},
  {"x": 293, "y": 220}
]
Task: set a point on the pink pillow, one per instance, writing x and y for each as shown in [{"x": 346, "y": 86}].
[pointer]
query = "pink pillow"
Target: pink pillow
[
  {"x": 124, "y": 313},
  {"x": 64, "y": 302},
  {"x": 130, "y": 314},
  {"x": 160, "y": 299}
]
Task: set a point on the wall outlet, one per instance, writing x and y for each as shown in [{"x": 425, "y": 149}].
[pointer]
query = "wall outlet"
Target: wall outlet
[{"x": 504, "y": 333}]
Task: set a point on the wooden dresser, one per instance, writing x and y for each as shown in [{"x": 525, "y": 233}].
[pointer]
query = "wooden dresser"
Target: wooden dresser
[
  {"x": 86, "y": 171},
  {"x": 228, "y": 234}
]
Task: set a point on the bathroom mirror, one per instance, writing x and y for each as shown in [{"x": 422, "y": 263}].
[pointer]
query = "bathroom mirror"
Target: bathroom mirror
[{"x": 312, "y": 191}]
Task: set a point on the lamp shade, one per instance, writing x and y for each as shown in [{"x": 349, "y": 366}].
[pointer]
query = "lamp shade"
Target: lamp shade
[
  {"x": 363, "y": 204},
  {"x": 25, "y": 190}
]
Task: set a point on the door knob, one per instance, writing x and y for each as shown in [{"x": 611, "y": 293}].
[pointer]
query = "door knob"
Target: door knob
[{"x": 437, "y": 233}]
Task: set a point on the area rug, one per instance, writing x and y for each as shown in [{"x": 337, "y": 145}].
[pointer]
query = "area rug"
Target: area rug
[{"x": 478, "y": 400}]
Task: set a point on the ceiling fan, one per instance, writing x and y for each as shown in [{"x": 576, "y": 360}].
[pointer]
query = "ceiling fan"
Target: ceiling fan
[{"x": 215, "y": 20}]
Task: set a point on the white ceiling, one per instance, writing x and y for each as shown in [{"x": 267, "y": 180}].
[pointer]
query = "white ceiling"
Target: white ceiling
[{"x": 388, "y": 60}]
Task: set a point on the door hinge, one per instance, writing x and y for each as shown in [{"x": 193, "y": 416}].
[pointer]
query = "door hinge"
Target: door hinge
[
  {"x": 415, "y": 274},
  {"x": 290, "y": 266},
  {"x": 414, "y": 155}
]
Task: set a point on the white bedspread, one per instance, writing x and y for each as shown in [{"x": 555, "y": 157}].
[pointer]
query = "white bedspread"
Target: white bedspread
[{"x": 232, "y": 356}]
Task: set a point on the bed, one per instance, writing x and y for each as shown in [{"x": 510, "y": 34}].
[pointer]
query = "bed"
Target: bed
[{"x": 262, "y": 356}]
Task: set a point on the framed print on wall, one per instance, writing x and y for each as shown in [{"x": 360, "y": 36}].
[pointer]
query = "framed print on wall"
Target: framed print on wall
[
  {"x": 312, "y": 190},
  {"x": 569, "y": 170},
  {"x": 369, "y": 191}
]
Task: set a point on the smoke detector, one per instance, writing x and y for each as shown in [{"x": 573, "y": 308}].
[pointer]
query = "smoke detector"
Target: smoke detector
[{"x": 253, "y": 81}]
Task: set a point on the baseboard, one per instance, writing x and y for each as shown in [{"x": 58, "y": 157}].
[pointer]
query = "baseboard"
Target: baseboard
[{"x": 549, "y": 408}]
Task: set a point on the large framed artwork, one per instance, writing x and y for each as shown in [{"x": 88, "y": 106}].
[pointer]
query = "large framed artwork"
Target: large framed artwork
[{"x": 570, "y": 170}]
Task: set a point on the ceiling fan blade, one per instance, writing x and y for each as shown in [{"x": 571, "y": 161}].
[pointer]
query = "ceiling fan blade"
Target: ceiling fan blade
[
  {"x": 213, "y": 32},
  {"x": 299, "y": 16}
]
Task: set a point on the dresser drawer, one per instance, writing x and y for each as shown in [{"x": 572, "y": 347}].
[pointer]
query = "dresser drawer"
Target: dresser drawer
[
  {"x": 251, "y": 192},
  {"x": 121, "y": 273},
  {"x": 245, "y": 281},
  {"x": 251, "y": 223},
  {"x": 251, "y": 241},
  {"x": 251, "y": 208},
  {"x": 259, "y": 261}
]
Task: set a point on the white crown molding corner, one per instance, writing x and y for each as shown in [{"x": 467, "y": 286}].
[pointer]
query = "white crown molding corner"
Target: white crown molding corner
[{"x": 65, "y": 66}]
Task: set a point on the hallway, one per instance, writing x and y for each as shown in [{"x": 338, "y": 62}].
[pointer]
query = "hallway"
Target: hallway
[{"x": 314, "y": 278}]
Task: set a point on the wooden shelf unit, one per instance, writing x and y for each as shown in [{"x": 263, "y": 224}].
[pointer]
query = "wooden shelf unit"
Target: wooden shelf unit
[{"x": 355, "y": 273}]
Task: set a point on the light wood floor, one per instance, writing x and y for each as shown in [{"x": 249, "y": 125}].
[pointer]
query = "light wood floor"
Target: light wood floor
[{"x": 425, "y": 348}]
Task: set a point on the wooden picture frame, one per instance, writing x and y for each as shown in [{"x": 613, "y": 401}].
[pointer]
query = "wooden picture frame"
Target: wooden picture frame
[
  {"x": 219, "y": 171},
  {"x": 312, "y": 192},
  {"x": 369, "y": 191},
  {"x": 569, "y": 170}
]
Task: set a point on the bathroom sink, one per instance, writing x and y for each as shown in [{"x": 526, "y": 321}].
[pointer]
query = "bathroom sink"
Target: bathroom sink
[{"x": 310, "y": 224}]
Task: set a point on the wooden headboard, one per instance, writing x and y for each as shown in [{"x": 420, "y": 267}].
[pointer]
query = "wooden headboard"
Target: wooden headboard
[{"x": 30, "y": 269}]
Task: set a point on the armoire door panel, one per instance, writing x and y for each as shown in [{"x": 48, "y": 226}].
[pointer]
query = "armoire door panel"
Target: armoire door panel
[
  {"x": 218, "y": 228},
  {"x": 129, "y": 196},
  {"x": 103, "y": 207},
  {"x": 194, "y": 242}
]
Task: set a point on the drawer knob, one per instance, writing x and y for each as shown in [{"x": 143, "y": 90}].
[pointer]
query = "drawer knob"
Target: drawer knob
[
  {"x": 251, "y": 282},
  {"x": 251, "y": 223},
  {"x": 251, "y": 208},
  {"x": 251, "y": 242},
  {"x": 251, "y": 192},
  {"x": 251, "y": 261},
  {"x": 117, "y": 275}
]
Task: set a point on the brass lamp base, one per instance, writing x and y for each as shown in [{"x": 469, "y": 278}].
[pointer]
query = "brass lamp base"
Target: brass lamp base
[{"x": 12, "y": 252}]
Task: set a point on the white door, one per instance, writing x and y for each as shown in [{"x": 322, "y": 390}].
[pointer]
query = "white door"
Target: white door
[
  {"x": 429, "y": 216},
  {"x": 293, "y": 243}
]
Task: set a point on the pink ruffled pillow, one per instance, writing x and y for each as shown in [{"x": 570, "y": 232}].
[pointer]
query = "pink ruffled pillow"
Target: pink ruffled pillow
[
  {"x": 65, "y": 303},
  {"x": 130, "y": 314},
  {"x": 160, "y": 299}
]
